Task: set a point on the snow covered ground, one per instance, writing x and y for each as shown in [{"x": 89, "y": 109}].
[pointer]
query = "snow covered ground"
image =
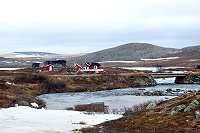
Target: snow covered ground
[{"x": 23, "y": 119}]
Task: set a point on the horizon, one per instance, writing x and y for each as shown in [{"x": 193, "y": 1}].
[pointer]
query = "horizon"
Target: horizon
[
  {"x": 90, "y": 52},
  {"x": 70, "y": 27}
]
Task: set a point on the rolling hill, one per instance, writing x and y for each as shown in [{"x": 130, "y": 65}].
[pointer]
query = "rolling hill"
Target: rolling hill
[
  {"x": 188, "y": 56},
  {"x": 128, "y": 52}
]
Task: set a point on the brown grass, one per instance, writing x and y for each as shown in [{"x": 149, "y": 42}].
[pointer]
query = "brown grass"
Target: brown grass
[{"x": 12, "y": 94}]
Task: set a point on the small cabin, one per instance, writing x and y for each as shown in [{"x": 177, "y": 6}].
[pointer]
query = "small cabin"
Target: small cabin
[
  {"x": 89, "y": 67},
  {"x": 56, "y": 63},
  {"x": 93, "y": 65},
  {"x": 34, "y": 65},
  {"x": 47, "y": 68}
]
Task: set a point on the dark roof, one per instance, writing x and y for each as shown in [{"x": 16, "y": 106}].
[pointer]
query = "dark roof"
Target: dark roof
[
  {"x": 55, "y": 62},
  {"x": 92, "y": 64}
]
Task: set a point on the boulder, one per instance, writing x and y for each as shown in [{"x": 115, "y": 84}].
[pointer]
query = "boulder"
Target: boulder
[
  {"x": 23, "y": 103},
  {"x": 191, "y": 106},
  {"x": 176, "y": 109},
  {"x": 197, "y": 114},
  {"x": 151, "y": 105},
  {"x": 195, "y": 102}
]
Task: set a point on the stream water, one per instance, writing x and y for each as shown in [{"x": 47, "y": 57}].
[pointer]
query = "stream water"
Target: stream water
[{"x": 117, "y": 99}]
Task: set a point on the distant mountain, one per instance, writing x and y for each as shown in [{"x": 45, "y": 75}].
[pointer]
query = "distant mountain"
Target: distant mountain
[
  {"x": 31, "y": 53},
  {"x": 128, "y": 52}
]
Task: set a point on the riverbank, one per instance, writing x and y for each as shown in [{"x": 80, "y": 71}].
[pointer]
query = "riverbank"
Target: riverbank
[
  {"x": 177, "y": 115},
  {"x": 16, "y": 87},
  {"x": 22, "y": 86}
]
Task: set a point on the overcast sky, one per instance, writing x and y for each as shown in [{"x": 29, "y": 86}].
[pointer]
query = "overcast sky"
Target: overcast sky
[{"x": 82, "y": 26}]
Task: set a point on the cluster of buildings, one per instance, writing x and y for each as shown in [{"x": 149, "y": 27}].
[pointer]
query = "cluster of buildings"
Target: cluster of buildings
[{"x": 50, "y": 64}]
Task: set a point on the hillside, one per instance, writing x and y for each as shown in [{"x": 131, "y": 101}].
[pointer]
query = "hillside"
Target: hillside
[
  {"x": 188, "y": 56},
  {"x": 128, "y": 52}
]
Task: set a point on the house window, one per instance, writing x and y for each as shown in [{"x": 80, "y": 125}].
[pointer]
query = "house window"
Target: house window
[{"x": 95, "y": 67}]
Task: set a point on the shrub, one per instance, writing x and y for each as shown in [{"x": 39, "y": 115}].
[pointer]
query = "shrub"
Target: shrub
[
  {"x": 136, "y": 109},
  {"x": 3, "y": 87},
  {"x": 30, "y": 78},
  {"x": 53, "y": 86},
  {"x": 93, "y": 107}
]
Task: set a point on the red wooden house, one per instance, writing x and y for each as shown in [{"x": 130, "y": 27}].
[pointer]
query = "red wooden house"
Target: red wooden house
[
  {"x": 89, "y": 67},
  {"x": 47, "y": 68}
]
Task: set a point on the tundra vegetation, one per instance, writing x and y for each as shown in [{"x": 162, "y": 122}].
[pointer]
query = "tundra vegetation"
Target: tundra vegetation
[
  {"x": 180, "y": 114},
  {"x": 26, "y": 84}
]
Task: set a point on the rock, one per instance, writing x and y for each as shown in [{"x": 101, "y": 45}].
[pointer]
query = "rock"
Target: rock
[
  {"x": 151, "y": 105},
  {"x": 174, "y": 112},
  {"x": 191, "y": 106},
  {"x": 195, "y": 102},
  {"x": 169, "y": 90},
  {"x": 197, "y": 114},
  {"x": 176, "y": 109},
  {"x": 188, "y": 109},
  {"x": 23, "y": 103},
  {"x": 98, "y": 104},
  {"x": 128, "y": 111}
]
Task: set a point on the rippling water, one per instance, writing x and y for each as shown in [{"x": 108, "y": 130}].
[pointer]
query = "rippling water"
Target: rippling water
[{"x": 115, "y": 99}]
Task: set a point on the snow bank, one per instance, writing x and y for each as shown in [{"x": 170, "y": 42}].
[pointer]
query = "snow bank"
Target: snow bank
[
  {"x": 168, "y": 58},
  {"x": 165, "y": 80},
  {"x": 23, "y": 119},
  {"x": 118, "y": 62}
]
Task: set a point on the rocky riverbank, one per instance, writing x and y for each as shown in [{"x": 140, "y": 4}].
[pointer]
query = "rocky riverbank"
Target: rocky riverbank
[
  {"x": 177, "y": 115},
  {"x": 190, "y": 78},
  {"x": 18, "y": 87}
]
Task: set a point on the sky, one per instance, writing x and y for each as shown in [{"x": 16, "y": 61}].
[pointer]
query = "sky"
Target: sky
[{"x": 84, "y": 26}]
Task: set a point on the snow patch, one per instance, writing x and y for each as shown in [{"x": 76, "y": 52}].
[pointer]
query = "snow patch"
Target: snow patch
[
  {"x": 118, "y": 62},
  {"x": 34, "y": 105},
  {"x": 169, "y": 58},
  {"x": 22, "y": 119}
]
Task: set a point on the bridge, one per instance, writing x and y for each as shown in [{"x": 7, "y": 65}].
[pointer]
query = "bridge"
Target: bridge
[{"x": 167, "y": 75}]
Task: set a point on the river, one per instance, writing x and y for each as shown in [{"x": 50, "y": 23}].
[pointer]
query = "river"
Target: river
[{"x": 117, "y": 99}]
